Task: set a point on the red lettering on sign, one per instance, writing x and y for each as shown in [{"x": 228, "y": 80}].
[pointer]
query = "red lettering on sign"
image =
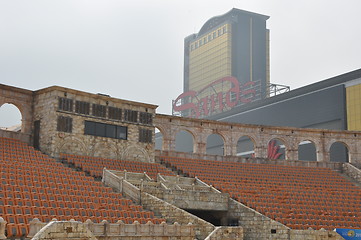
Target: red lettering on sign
[{"x": 215, "y": 102}]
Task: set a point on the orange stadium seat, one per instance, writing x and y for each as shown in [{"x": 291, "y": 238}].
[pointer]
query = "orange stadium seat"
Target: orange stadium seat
[{"x": 31, "y": 187}]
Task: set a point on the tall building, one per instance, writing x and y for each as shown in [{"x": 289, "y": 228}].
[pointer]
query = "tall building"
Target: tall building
[{"x": 226, "y": 64}]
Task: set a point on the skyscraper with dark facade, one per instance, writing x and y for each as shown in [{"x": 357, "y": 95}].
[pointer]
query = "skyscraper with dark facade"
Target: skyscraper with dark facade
[{"x": 226, "y": 64}]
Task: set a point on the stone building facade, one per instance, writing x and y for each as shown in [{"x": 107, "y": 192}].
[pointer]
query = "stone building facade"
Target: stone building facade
[
  {"x": 75, "y": 122},
  {"x": 62, "y": 120}
]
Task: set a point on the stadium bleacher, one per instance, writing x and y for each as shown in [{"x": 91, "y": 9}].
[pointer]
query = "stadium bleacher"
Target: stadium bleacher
[
  {"x": 34, "y": 185},
  {"x": 299, "y": 197}
]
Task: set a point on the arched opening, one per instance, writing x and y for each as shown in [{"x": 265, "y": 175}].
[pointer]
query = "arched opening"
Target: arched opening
[
  {"x": 307, "y": 151},
  {"x": 276, "y": 149},
  {"x": 158, "y": 138},
  {"x": 10, "y": 118},
  {"x": 339, "y": 152},
  {"x": 245, "y": 147},
  {"x": 215, "y": 145},
  {"x": 184, "y": 142}
]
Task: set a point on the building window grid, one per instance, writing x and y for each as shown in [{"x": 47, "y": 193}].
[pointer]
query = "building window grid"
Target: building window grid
[
  {"x": 82, "y": 107},
  {"x": 105, "y": 130},
  {"x": 213, "y": 35},
  {"x": 145, "y": 118},
  {"x": 145, "y": 135},
  {"x": 99, "y": 110},
  {"x": 130, "y": 115},
  {"x": 114, "y": 113},
  {"x": 64, "y": 124},
  {"x": 65, "y": 104}
]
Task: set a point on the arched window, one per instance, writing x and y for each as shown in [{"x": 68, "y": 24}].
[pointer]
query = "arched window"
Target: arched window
[
  {"x": 158, "y": 139},
  {"x": 307, "y": 151},
  {"x": 339, "y": 152},
  {"x": 215, "y": 145},
  {"x": 184, "y": 142},
  {"x": 276, "y": 149},
  {"x": 245, "y": 147},
  {"x": 10, "y": 118}
]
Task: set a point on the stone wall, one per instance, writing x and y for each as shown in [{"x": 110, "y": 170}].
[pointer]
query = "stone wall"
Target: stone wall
[
  {"x": 16, "y": 135},
  {"x": 314, "y": 235},
  {"x": 174, "y": 214},
  {"x": 201, "y": 129},
  {"x": 257, "y": 226},
  {"x": 226, "y": 233},
  {"x": 110, "y": 231},
  {"x": 23, "y": 100},
  {"x": 53, "y": 142}
]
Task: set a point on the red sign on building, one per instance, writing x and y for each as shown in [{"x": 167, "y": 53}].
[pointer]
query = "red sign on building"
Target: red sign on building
[{"x": 215, "y": 102}]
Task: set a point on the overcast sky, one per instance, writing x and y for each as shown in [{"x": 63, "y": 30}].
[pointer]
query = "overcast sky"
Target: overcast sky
[{"x": 133, "y": 49}]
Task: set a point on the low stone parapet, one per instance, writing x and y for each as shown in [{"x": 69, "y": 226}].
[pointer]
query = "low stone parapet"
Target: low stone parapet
[{"x": 106, "y": 230}]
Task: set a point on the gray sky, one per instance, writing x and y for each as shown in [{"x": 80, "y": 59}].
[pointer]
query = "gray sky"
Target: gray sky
[{"x": 133, "y": 49}]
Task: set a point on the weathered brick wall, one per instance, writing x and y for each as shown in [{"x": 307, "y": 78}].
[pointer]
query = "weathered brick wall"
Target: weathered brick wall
[{"x": 54, "y": 142}]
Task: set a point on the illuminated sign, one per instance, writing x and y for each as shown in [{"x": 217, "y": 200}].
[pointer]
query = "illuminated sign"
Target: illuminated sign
[{"x": 215, "y": 101}]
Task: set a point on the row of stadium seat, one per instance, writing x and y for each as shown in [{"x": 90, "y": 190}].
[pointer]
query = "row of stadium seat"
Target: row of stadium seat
[
  {"x": 299, "y": 197},
  {"x": 32, "y": 185}
]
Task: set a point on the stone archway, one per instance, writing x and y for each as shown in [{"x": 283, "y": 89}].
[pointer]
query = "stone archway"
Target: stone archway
[
  {"x": 215, "y": 144},
  {"x": 246, "y": 147},
  {"x": 184, "y": 141},
  {"x": 339, "y": 152},
  {"x": 276, "y": 149},
  {"x": 10, "y": 117},
  {"x": 307, "y": 151}
]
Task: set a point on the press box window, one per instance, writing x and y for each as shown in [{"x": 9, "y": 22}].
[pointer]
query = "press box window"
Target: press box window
[
  {"x": 130, "y": 115},
  {"x": 145, "y": 135},
  {"x": 145, "y": 118},
  {"x": 115, "y": 113},
  {"x": 65, "y": 104},
  {"x": 105, "y": 130},
  {"x": 99, "y": 110},
  {"x": 64, "y": 124},
  {"x": 82, "y": 107}
]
